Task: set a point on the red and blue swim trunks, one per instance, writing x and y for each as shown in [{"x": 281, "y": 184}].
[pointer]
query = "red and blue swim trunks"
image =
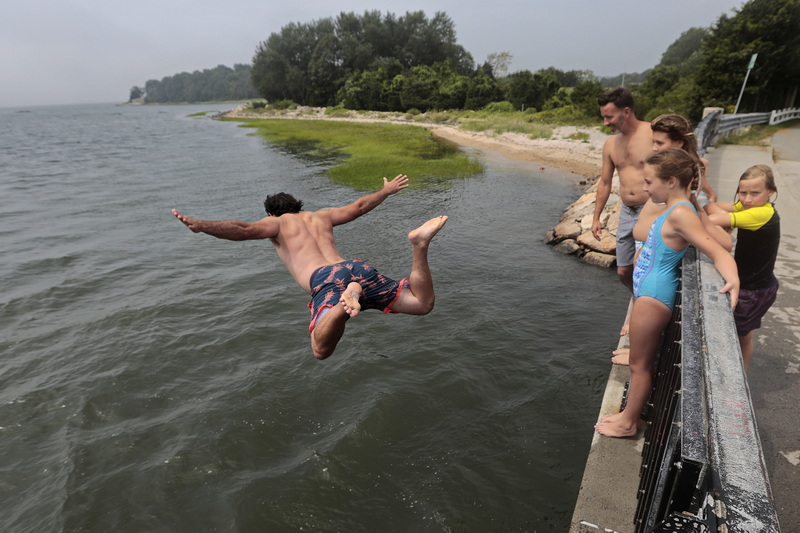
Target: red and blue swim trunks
[{"x": 329, "y": 282}]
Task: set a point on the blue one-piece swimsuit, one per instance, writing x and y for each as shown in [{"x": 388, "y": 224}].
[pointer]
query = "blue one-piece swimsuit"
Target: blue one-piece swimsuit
[{"x": 656, "y": 272}]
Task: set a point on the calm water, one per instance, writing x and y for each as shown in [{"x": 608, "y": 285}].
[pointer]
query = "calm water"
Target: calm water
[{"x": 156, "y": 380}]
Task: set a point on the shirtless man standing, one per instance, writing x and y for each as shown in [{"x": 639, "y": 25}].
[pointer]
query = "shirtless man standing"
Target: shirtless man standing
[
  {"x": 339, "y": 289},
  {"x": 625, "y": 153}
]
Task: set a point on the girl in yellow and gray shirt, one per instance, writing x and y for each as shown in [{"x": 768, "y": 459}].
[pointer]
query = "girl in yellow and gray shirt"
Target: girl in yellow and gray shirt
[{"x": 758, "y": 238}]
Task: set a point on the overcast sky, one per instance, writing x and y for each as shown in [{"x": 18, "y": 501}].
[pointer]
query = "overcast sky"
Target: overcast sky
[{"x": 94, "y": 51}]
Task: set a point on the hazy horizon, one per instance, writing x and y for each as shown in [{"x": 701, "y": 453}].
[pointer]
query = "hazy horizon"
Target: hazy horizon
[{"x": 88, "y": 51}]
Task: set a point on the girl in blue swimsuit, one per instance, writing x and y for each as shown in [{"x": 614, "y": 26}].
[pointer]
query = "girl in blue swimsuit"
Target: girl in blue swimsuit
[{"x": 668, "y": 177}]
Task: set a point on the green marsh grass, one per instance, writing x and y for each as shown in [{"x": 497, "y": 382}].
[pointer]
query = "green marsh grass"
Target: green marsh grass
[{"x": 362, "y": 153}]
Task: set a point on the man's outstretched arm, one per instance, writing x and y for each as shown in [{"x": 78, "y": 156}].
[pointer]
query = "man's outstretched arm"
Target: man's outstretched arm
[
  {"x": 233, "y": 230},
  {"x": 365, "y": 204}
]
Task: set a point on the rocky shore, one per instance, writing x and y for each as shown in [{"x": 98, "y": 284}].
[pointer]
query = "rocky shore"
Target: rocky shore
[
  {"x": 570, "y": 148},
  {"x": 573, "y": 234}
]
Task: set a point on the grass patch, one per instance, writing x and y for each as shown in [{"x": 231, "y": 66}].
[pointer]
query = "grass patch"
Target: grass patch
[
  {"x": 362, "y": 153},
  {"x": 506, "y": 124},
  {"x": 200, "y": 114},
  {"x": 757, "y": 135},
  {"x": 578, "y": 136},
  {"x": 536, "y": 125},
  {"x": 338, "y": 112}
]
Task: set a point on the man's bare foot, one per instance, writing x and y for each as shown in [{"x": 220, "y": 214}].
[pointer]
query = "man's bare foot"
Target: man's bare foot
[
  {"x": 616, "y": 427},
  {"x": 350, "y": 297},
  {"x": 621, "y": 356},
  {"x": 424, "y": 233}
]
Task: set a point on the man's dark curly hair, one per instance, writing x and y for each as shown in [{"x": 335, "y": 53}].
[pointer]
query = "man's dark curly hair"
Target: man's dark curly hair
[
  {"x": 620, "y": 97},
  {"x": 278, "y": 204}
]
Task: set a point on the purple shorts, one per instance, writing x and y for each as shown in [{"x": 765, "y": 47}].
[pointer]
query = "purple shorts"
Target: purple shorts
[
  {"x": 752, "y": 306},
  {"x": 329, "y": 282}
]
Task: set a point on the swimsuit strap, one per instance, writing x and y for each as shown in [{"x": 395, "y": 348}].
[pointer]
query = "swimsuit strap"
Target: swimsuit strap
[
  {"x": 679, "y": 203},
  {"x": 658, "y": 222}
]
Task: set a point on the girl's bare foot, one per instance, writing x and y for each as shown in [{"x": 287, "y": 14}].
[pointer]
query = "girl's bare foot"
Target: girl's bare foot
[
  {"x": 350, "y": 297},
  {"x": 424, "y": 233},
  {"x": 621, "y": 356},
  {"x": 611, "y": 418},
  {"x": 625, "y": 327},
  {"x": 616, "y": 427}
]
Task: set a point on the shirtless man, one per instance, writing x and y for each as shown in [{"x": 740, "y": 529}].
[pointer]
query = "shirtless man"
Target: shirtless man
[
  {"x": 625, "y": 153},
  {"x": 339, "y": 289}
]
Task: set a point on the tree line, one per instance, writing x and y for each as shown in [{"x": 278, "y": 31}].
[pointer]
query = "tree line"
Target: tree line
[
  {"x": 220, "y": 83},
  {"x": 390, "y": 63},
  {"x": 706, "y": 67},
  {"x": 397, "y": 63}
]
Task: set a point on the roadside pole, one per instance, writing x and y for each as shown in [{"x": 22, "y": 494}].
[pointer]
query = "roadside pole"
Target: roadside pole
[{"x": 749, "y": 68}]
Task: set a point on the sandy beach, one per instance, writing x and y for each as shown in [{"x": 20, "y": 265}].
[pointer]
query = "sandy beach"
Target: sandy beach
[{"x": 580, "y": 157}]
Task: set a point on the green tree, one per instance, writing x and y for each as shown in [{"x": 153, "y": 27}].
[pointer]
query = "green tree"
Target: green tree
[
  {"x": 686, "y": 48},
  {"x": 682, "y": 98},
  {"x": 660, "y": 79},
  {"x": 584, "y": 97},
  {"x": 671, "y": 87},
  {"x": 482, "y": 90},
  {"x": 421, "y": 88},
  {"x": 219, "y": 83},
  {"x": 364, "y": 90},
  {"x": 280, "y": 66},
  {"x": 526, "y": 90},
  {"x": 312, "y": 63},
  {"x": 768, "y": 28},
  {"x": 569, "y": 78},
  {"x": 561, "y": 98},
  {"x": 325, "y": 71},
  {"x": 136, "y": 92},
  {"x": 453, "y": 87}
]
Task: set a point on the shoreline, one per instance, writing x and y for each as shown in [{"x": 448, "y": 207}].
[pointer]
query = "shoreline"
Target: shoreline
[{"x": 577, "y": 156}]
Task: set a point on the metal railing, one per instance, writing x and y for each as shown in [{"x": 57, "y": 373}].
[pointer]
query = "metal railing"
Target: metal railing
[
  {"x": 716, "y": 123},
  {"x": 729, "y": 123},
  {"x": 706, "y": 131},
  {"x": 703, "y": 468}
]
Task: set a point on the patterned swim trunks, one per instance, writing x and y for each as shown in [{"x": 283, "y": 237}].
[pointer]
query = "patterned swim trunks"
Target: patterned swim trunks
[{"x": 329, "y": 282}]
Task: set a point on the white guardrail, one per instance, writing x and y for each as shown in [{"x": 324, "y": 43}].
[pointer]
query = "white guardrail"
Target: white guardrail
[{"x": 782, "y": 115}]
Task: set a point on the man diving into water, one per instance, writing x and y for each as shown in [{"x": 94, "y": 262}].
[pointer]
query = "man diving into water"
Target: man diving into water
[{"x": 339, "y": 289}]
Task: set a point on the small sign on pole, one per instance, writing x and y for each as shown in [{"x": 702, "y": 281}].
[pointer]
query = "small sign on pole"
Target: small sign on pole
[{"x": 749, "y": 68}]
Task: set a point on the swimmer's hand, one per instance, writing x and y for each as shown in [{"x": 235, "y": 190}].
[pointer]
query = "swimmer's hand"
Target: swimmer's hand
[
  {"x": 396, "y": 185},
  {"x": 190, "y": 223}
]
